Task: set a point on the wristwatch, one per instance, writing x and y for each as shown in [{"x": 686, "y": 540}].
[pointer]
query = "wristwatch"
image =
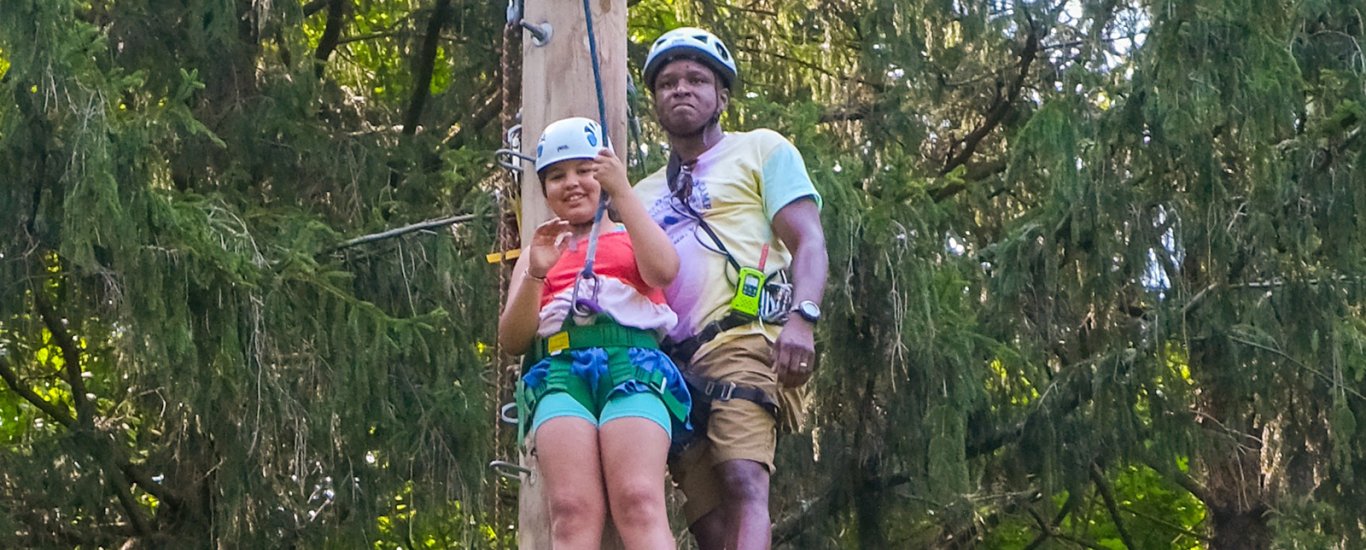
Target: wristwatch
[{"x": 808, "y": 310}]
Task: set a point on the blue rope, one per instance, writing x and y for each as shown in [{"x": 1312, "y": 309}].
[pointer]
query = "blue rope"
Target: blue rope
[
  {"x": 597, "y": 70},
  {"x": 593, "y": 233}
]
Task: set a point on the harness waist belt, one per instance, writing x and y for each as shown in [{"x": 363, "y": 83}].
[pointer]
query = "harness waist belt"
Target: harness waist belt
[
  {"x": 683, "y": 351},
  {"x": 602, "y": 335}
]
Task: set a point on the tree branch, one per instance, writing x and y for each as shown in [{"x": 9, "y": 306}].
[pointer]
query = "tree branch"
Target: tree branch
[
  {"x": 1103, "y": 487},
  {"x": 791, "y": 526},
  {"x": 66, "y": 421},
  {"x": 100, "y": 448},
  {"x": 12, "y": 380},
  {"x": 389, "y": 234},
  {"x": 1332, "y": 382},
  {"x": 1001, "y": 107},
  {"x": 474, "y": 120},
  {"x": 1054, "y": 408},
  {"x": 847, "y": 113},
  {"x": 1047, "y": 530},
  {"x": 424, "y": 64},
  {"x": 314, "y": 6},
  {"x": 1169, "y": 525},
  {"x": 370, "y": 36},
  {"x": 1186, "y": 482},
  {"x": 143, "y": 481},
  {"x": 71, "y": 355},
  {"x": 809, "y": 65},
  {"x": 331, "y": 33}
]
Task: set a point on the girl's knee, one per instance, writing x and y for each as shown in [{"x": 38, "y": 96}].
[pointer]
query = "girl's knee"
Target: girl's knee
[
  {"x": 638, "y": 501},
  {"x": 575, "y": 513}
]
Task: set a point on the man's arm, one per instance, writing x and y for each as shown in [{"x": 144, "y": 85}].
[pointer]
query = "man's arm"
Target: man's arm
[{"x": 798, "y": 225}]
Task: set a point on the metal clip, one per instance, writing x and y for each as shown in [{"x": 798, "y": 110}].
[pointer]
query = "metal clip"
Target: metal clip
[
  {"x": 505, "y": 417},
  {"x": 510, "y": 470},
  {"x": 727, "y": 390}
]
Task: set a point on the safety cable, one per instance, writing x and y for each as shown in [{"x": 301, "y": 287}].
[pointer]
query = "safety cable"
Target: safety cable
[{"x": 593, "y": 233}]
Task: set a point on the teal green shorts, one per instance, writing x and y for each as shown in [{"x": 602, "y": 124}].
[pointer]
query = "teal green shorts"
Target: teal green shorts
[{"x": 639, "y": 405}]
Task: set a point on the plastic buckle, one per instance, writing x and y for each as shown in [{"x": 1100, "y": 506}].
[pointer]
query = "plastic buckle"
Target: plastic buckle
[
  {"x": 557, "y": 343},
  {"x": 656, "y": 381}
]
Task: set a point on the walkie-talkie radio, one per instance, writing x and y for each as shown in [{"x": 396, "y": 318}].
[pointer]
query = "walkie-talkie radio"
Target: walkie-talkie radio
[
  {"x": 747, "y": 288},
  {"x": 749, "y": 285}
]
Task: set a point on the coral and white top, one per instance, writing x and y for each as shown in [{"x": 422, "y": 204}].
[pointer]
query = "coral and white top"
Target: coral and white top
[{"x": 620, "y": 290}]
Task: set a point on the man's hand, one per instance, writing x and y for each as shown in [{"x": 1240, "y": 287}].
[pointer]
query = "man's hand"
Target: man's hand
[{"x": 794, "y": 354}]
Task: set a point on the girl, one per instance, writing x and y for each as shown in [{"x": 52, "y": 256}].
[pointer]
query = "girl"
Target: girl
[{"x": 604, "y": 403}]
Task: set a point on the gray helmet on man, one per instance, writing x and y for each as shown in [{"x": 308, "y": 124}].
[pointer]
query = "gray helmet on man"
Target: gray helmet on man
[{"x": 691, "y": 43}]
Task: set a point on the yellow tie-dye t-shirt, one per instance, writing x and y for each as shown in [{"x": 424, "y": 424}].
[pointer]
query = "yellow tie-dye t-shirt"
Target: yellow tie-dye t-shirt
[{"x": 738, "y": 185}]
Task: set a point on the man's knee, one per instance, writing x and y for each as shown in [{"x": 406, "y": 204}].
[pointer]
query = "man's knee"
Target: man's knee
[
  {"x": 710, "y": 531},
  {"x": 744, "y": 480}
]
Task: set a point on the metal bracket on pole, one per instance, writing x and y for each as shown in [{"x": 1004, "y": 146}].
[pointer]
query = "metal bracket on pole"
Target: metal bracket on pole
[
  {"x": 540, "y": 34},
  {"x": 505, "y": 159}
]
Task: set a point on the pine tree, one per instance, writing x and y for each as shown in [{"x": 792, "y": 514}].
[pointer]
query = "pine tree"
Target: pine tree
[{"x": 1096, "y": 270}]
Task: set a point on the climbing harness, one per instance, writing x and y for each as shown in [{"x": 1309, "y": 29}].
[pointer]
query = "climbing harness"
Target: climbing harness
[
  {"x": 757, "y": 299},
  {"x": 554, "y": 366}
]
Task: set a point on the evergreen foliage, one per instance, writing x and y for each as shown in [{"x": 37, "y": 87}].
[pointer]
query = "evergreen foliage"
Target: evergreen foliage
[{"x": 1096, "y": 270}]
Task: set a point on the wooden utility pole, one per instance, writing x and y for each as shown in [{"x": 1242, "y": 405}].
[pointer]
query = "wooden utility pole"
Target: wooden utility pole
[{"x": 557, "y": 82}]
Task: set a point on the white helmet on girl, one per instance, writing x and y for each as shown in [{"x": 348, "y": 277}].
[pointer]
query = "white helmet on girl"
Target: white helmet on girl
[
  {"x": 569, "y": 138},
  {"x": 693, "y": 43}
]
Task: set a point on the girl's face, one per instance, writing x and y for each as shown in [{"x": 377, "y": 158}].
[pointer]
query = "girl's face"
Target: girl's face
[{"x": 571, "y": 190}]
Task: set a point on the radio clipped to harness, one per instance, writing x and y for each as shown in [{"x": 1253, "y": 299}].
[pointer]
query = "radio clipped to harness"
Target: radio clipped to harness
[{"x": 747, "y": 290}]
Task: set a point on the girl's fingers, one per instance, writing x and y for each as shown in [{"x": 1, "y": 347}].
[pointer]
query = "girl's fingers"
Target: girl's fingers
[{"x": 561, "y": 238}]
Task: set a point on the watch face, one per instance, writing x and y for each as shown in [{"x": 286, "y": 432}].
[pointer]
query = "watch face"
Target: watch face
[{"x": 809, "y": 310}]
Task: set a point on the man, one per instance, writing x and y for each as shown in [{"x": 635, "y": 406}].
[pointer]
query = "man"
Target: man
[{"x": 734, "y": 205}]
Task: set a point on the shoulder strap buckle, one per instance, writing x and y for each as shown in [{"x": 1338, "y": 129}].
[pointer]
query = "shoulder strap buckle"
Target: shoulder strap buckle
[{"x": 727, "y": 390}]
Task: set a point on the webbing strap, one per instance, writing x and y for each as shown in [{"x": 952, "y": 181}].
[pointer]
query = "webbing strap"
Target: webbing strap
[
  {"x": 709, "y": 389},
  {"x": 682, "y": 352},
  {"x": 658, "y": 382},
  {"x": 600, "y": 335}
]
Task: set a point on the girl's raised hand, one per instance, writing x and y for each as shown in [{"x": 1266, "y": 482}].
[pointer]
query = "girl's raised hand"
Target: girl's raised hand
[
  {"x": 611, "y": 174},
  {"x": 547, "y": 244}
]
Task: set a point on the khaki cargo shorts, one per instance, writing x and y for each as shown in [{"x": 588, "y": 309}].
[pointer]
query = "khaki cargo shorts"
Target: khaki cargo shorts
[{"x": 737, "y": 429}]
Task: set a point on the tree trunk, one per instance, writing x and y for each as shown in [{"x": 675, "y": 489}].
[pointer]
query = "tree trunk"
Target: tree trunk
[{"x": 1234, "y": 474}]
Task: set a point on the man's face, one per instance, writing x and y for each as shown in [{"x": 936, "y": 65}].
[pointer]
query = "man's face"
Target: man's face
[{"x": 687, "y": 97}]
